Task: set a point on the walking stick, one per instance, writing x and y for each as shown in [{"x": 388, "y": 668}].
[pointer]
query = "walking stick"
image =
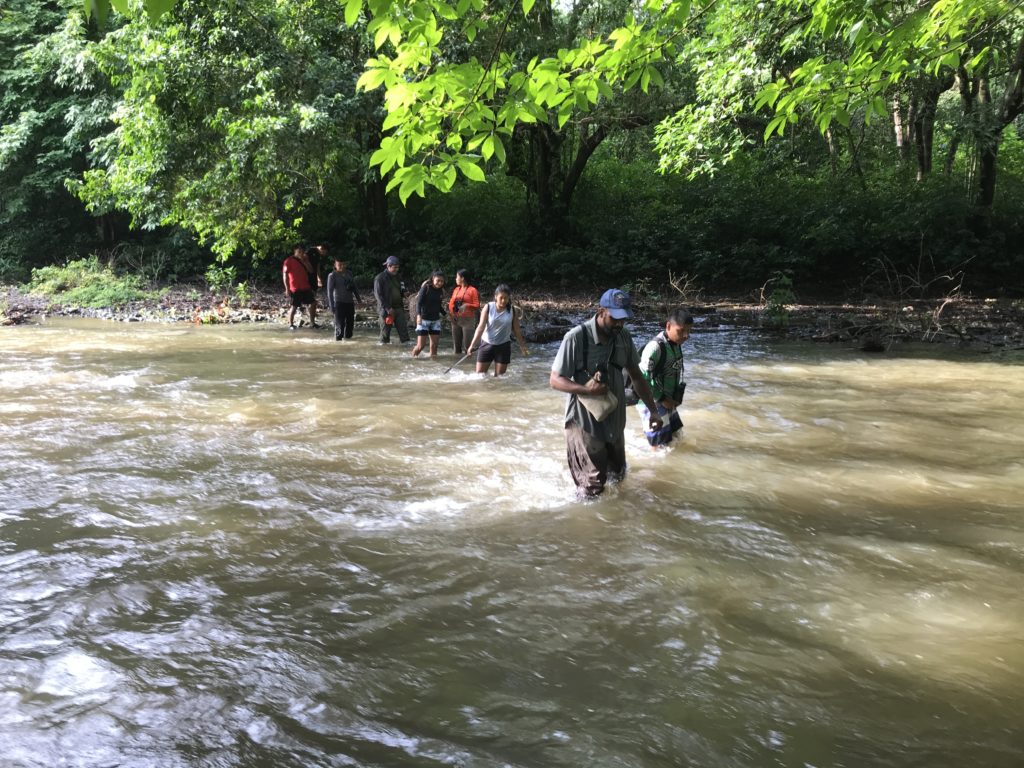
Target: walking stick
[{"x": 458, "y": 362}]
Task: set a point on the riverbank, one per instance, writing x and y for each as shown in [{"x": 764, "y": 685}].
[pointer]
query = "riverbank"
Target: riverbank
[{"x": 974, "y": 322}]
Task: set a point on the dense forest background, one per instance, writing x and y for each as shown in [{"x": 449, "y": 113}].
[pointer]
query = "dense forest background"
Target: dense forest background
[{"x": 853, "y": 148}]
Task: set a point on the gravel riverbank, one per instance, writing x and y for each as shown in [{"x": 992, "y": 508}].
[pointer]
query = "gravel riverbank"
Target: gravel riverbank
[{"x": 978, "y": 323}]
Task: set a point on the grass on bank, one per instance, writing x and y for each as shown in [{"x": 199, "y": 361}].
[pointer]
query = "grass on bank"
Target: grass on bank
[{"x": 87, "y": 283}]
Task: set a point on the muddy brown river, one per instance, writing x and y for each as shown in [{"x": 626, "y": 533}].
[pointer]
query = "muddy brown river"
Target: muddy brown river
[{"x": 240, "y": 546}]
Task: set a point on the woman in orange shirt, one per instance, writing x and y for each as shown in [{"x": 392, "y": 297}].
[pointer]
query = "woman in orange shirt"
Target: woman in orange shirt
[{"x": 464, "y": 310}]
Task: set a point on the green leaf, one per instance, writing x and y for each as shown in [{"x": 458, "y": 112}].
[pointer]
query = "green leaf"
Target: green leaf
[
  {"x": 371, "y": 79},
  {"x": 471, "y": 170},
  {"x": 157, "y": 8},
  {"x": 99, "y": 10},
  {"x": 527, "y": 5},
  {"x": 352, "y": 9}
]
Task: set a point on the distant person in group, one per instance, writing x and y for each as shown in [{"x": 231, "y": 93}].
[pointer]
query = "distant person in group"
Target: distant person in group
[
  {"x": 313, "y": 256},
  {"x": 295, "y": 274},
  {"x": 429, "y": 308},
  {"x": 464, "y": 310},
  {"x": 590, "y": 361},
  {"x": 498, "y": 321},
  {"x": 389, "y": 291},
  {"x": 342, "y": 296},
  {"x": 661, "y": 364}
]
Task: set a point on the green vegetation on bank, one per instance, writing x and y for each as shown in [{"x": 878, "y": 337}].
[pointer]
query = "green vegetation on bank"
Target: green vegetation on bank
[
  {"x": 857, "y": 148},
  {"x": 87, "y": 283}
]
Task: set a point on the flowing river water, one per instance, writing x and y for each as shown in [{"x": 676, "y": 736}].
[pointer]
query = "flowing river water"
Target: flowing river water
[{"x": 240, "y": 546}]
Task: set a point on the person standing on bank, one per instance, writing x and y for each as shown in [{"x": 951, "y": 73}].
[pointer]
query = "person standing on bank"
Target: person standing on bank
[
  {"x": 390, "y": 295},
  {"x": 342, "y": 296},
  {"x": 464, "y": 310},
  {"x": 589, "y": 363},
  {"x": 429, "y": 308},
  {"x": 498, "y": 321},
  {"x": 295, "y": 275},
  {"x": 661, "y": 363}
]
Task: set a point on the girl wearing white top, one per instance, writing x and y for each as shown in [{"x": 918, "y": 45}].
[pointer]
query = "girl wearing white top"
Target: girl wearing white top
[{"x": 498, "y": 321}]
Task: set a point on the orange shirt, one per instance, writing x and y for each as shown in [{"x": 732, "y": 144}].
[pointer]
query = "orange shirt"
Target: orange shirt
[{"x": 470, "y": 299}]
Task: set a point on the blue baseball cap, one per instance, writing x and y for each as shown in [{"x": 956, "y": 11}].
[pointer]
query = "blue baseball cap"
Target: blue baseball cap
[
  {"x": 391, "y": 261},
  {"x": 617, "y": 303}
]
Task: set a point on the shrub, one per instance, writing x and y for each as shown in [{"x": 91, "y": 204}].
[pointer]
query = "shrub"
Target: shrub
[{"x": 86, "y": 283}]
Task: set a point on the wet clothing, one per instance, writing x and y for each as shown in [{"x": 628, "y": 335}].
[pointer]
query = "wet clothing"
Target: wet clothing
[
  {"x": 463, "y": 330},
  {"x": 342, "y": 296},
  {"x": 428, "y": 328},
  {"x": 592, "y": 461},
  {"x": 494, "y": 353},
  {"x": 388, "y": 291},
  {"x": 464, "y": 310},
  {"x": 662, "y": 366},
  {"x": 595, "y": 449}
]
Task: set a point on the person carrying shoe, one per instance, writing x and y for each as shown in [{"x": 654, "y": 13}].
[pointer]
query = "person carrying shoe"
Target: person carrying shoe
[
  {"x": 389, "y": 292},
  {"x": 661, "y": 364}
]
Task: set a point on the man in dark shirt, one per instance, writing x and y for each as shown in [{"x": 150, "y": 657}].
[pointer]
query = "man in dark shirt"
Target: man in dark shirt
[{"x": 390, "y": 295}]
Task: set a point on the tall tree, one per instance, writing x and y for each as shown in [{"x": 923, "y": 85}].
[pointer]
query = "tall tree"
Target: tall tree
[
  {"x": 236, "y": 121},
  {"x": 53, "y": 102}
]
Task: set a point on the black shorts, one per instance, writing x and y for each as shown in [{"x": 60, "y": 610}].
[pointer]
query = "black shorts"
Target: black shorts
[
  {"x": 496, "y": 353},
  {"x": 301, "y": 298}
]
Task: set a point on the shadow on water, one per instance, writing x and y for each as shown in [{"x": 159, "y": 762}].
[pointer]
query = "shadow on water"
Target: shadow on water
[{"x": 240, "y": 546}]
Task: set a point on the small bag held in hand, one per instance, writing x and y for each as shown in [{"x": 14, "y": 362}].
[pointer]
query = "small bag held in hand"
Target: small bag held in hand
[{"x": 600, "y": 406}]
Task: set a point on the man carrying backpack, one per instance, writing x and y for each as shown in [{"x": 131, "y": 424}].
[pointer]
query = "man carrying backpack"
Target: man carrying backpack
[
  {"x": 661, "y": 364},
  {"x": 589, "y": 368}
]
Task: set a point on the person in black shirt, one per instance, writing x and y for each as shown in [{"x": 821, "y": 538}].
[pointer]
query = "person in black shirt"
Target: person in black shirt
[{"x": 429, "y": 308}]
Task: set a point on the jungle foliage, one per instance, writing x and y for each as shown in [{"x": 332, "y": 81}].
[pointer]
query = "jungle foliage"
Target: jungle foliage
[{"x": 830, "y": 142}]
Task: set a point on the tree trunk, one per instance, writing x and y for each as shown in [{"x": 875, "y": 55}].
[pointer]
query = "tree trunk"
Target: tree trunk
[{"x": 899, "y": 129}]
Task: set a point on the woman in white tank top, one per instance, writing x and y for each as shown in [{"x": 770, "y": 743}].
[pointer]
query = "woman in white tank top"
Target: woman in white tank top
[{"x": 498, "y": 321}]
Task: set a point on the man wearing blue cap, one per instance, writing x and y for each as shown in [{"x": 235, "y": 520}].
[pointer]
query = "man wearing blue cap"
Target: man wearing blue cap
[
  {"x": 390, "y": 295},
  {"x": 588, "y": 366}
]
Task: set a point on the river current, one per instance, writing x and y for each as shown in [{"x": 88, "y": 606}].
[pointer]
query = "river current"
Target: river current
[{"x": 240, "y": 546}]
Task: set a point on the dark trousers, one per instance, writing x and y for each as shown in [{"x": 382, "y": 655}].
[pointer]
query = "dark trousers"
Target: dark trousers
[
  {"x": 592, "y": 461},
  {"x": 401, "y": 325},
  {"x": 344, "y": 319}
]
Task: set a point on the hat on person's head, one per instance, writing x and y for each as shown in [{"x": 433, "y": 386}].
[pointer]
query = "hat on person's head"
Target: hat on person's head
[
  {"x": 392, "y": 261},
  {"x": 617, "y": 303}
]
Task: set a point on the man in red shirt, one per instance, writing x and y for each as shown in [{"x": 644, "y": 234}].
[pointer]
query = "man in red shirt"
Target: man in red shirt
[{"x": 295, "y": 274}]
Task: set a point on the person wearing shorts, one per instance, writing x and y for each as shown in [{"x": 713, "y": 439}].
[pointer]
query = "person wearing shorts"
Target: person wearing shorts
[
  {"x": 498, "y": 321},
  {"x": 429, "y": 308},
  {"x": 295, "y": 276}
]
